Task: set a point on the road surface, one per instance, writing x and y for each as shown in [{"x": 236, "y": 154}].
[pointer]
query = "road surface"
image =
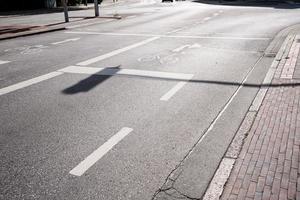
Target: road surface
[{"x": 114, "y": 110}]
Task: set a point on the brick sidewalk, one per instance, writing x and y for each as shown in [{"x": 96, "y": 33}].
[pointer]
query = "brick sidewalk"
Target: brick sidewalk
[{"x": 268, "y": 165}]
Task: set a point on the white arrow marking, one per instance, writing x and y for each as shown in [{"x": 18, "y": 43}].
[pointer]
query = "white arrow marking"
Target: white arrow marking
[{"x": 64, "y": 41}]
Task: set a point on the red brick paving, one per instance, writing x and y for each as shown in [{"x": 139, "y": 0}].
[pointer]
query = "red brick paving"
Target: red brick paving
[{"x": 268, "y": 164}]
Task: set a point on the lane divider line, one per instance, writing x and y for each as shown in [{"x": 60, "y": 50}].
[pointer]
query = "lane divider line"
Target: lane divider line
[
  {"x": 173, "y": 91},
  {"x": 64, "y": 41},
  {"x": 89, "y": 161},
  {"x": 116, "y": 52},
  {"x": 29, "y": 82},
  {"x": 130, "y": 72},
  {"x": 4, "y": 62}
]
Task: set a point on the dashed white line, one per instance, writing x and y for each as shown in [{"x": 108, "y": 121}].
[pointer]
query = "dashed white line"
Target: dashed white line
[
  {"x": 116, "y": 52},
  {"x": 173, "y": 91},
  {"x": 64, "y": 41},
  {"x": 4, "y": 62},
  {"x": 130, "y": 72},
  {"x": 89, "y": 161},
  {"x": 29, "y": 82}
]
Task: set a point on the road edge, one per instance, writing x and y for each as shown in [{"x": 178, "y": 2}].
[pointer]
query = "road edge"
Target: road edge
[{"x": 216, "y": 186}]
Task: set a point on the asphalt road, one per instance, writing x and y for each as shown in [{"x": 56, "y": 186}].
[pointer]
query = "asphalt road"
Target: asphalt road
[{"x": 113, "y": 110}]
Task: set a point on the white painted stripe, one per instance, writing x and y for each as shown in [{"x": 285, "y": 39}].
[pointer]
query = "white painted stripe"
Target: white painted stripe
[
  {"x": 172, "y": 92},
  {"x": 82, "y": 167},
  {"x": 131, "y": 72},
  {"x": 211, "y": 126},
  {"x": 67, "y": 40},
  {"x": 171, "y": 36},
  {"x": 4, "y": 62},
  {"x": 174, "y": 31},
  {"x": 206, "y": 18},
  {"x": 131, "y": 16},
  {"x": 216, "y": 14},
  {"x": 181, "y": 48},
  {"x": 28, "y": 82},
  {"x": 116, "y": 52}
]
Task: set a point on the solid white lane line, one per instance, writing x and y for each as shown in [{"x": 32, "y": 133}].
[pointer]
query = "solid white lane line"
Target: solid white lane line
[
  {"x": 4, "y": 62},
  {"x": 116, "y": 52},
  {"x": 67, "y": 40},
  {"x": 171, "y": 36},
  {"x": 89, "y": 161},
  {"x": 132, "y": 72},
  {"x": 28, "y": 82},
  {"x": 172, "y": 92}
]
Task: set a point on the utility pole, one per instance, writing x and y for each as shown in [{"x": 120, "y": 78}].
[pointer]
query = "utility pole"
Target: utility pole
[
  {"x": 64, "y": 3},
  {"x": 96, "y": 8}
]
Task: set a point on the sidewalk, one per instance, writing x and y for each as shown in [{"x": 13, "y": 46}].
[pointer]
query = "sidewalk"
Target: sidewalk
[
  {"x": 268, "y": 164},
  {"x": 40, "y": 21}
]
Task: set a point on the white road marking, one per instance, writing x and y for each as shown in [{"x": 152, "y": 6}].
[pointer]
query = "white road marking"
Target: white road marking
[
  {"x": 130, "y": 72},
  {"x": 88, "y": 24},
  {"x": 206, "y": 18},
  {"x": 89, "y": 161},
  {"x": 132, "y": 16},
  {"x": 174, "y": 31},
  {"x": 211, "y": 126},
  {"x": 172, "y": 36},
  {"x": 196, "y": 45},
  {"x": 178, "y": 49},
  {"x": 116, "y": 52},
  {"x": 67, "y": 40},
  {"x": 216, "y": 14},
  {"x": 172, "y": 92},
  {"x": 4, "y": 62},
  {"x": 29, "y": 82}
]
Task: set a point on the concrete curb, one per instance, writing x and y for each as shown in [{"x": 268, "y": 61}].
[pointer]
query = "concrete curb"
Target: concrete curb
[
  {"x": 223, "y": 172},
  {"x": 52, "y": 27},
  {"x": 32, "y": 32}
]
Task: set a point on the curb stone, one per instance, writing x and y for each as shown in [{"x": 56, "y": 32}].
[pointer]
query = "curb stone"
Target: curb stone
[{"x": 216, "y": 186}]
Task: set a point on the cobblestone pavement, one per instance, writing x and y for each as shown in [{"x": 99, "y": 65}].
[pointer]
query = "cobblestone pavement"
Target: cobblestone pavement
[{"x": 268, "y": 164}]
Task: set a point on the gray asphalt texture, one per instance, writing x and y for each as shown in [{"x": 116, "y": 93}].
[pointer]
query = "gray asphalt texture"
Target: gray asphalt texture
[{"x": 50, "y": 127}]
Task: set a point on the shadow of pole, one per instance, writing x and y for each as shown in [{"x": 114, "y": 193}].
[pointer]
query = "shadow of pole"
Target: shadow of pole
[{"x": 92, "y": 81}]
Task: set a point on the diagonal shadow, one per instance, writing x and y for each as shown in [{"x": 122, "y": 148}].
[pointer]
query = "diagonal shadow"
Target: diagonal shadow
[
  {"x": 227, "y": 83},
  {"x": 92, "y": 81}
]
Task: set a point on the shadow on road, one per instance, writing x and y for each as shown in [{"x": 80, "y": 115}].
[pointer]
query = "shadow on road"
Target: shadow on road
[
  {"x": 92, "y": 81},
  {"x": 275, "y": 4}
]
